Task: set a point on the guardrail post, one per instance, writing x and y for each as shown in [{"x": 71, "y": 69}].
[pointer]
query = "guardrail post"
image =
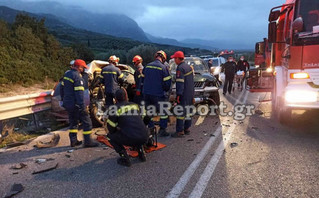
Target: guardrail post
[{"x": 35, "y": 120}]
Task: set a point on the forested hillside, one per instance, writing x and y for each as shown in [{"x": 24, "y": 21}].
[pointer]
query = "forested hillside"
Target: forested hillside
[{"x": 29, "y": 54}]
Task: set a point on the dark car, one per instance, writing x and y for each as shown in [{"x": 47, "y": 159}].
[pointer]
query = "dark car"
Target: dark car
[
  {"x": 96, "y": 92},
  {"x": 205, "y": 84}
]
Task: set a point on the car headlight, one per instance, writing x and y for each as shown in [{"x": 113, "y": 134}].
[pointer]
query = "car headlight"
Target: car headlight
[{"x": 300, "y": 96}]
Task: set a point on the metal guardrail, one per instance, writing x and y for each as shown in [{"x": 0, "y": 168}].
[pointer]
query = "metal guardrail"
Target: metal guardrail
[{"x": 16, "y": 106}]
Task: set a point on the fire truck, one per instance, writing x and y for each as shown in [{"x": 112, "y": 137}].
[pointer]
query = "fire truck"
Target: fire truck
[
  {"x": 293, "y": 38},
  {"x": 260, "y": 78},
  {"x": 226, "y": 54}
]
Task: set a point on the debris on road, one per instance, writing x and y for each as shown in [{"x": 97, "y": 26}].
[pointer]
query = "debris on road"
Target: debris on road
[
  {"x": 15, "y": 189},
  {"x": 255, "y": 128},
  {"x": 52, "y": 143},
  {"x": 259, "y": 112},
  {"x": 42, "y": 160},
  {"x": 212, "y": 135},
  {"x": 45, "y": 170},
  {"x": 15, "y": 144},
  {"x": 68, "y": 156},
  {"x": 216, "y": 123},
  {"x": 233, "y": 144},
  {"x": 18, "y": 166},
  {"x": 190, "y": 140},
  {"x": 226, "y": 125},
  {"x": 70, "y": 151},
  {"x": 252, "y": 163}
]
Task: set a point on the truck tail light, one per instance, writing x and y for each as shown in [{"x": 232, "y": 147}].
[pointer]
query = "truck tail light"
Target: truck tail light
[{"x": 299, "y": 75}]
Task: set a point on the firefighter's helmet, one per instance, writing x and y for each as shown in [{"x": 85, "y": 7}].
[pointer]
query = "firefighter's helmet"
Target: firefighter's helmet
[
  {"x": 114, "y": 59},
  {"x": 137, "y": 58},
  {"x": 162, "y": 54}
]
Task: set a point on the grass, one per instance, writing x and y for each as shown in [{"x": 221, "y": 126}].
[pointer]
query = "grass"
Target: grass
[{"x": 20, "y": 129}]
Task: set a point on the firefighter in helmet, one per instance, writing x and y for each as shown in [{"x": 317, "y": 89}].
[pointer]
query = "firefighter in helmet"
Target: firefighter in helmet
[
  {"x": 112, "y": 77},
  {"x": 72, "y": 93},
  {"x": 156, "y": 81},
  {"x": 138, "y": 75}
]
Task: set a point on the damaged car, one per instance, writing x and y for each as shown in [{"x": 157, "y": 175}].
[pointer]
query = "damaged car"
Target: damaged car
[
  {"x": 205, "y": 84},
  {"x": 96, "y": 100}
]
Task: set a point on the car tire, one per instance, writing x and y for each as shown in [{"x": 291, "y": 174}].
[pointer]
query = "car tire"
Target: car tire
[{"x": 215, "y": 97}]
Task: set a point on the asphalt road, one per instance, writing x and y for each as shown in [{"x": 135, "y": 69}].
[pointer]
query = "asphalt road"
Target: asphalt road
[{"x": 223, "y": 157}]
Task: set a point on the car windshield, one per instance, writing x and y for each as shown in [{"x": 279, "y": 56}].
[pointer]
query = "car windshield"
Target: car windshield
[
  {"x": 215, "y": 62},
  {"x": 309, "y": 11},
  {"x": 198, "y": 64}
]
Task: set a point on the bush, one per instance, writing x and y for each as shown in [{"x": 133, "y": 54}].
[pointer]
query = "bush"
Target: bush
[{"x": 28, "y": 54}]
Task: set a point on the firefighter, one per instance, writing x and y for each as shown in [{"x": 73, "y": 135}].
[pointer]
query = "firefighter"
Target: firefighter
[
  {"x": 112, "y": 77},
  {"x": 229, "y": 68},
  {"x": 184, "y": 93},
  {"x": 138, "y": 74},
  {"x": 156, "y": 82},
  {"x": 126, "y": 127},
  {"x": 72, "y": 94},
  {"x": 85, "y": 77}
]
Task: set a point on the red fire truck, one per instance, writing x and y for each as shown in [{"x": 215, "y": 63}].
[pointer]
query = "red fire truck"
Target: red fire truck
[{"x": 293, "y": 37}]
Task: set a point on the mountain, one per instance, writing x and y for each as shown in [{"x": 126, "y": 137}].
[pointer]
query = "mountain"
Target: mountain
[
  {"x": 168, "y": 41},
  {"x": 68, "y": 34},
  {"x": 221, "y": 44},
  {"x": 111, "y": 24}
]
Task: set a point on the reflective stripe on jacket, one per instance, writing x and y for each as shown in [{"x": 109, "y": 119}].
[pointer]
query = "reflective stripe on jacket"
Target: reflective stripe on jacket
[
  {"x": 72, "y": 89},
  {"x": 110, "y": 78},
  {"x": 156, "y": 80}
]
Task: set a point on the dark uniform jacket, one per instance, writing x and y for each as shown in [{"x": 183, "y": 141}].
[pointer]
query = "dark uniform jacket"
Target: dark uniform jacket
[
  {"x": 85, "y": 77},
  {"x": 138, "y": 75},
  {"x": 111, "y": 77},
  {"x": 72, "y": 88},
  {"x": 185, "y": 83},
  {"x": 131, "y": 124},
  {"x": 229, "y": 68},
  {"x": 156, "y": 79},
  {"x": 242, "y": 65}
]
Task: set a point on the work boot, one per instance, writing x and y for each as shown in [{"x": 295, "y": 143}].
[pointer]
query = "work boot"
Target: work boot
[
  {"x": 178, "y": 134},
  {"x": 187, "y": 132},
  {"x": 74, "y": 140},
  {"x": 124, "y": 159},
  {"x": 141, "y": 153},
  {"x": 88, "y": 142},
  {"x": 162, "y": 132}
]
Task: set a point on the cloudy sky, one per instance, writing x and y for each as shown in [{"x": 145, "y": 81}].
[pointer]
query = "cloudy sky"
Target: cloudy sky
[{"x": 243, "y": 21}]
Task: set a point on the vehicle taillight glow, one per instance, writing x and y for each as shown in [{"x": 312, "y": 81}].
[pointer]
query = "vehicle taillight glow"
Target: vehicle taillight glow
[{"x": 299, "y": 75}]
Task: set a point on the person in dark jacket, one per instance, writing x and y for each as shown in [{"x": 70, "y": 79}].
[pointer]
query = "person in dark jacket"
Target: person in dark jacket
[
  {"x": 72, "y": 90},
  {"x": 111, "y": 78},
  {"x": 184, "y": 93},
  {"x": 229, "y": 68},
  {"x": 86, "y": 93},
  {"x": 126, "y": 127},
  {"x": 156, "y": 82},
  {"x": 243, "y": 65},
  {"x": 138, "y": 74}
]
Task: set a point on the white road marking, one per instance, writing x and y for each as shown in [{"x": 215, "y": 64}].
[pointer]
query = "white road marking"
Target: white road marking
[
  {"x": 182, "y": 182},
  {"x": 180, "y": 185},
  {"x": 210, "y": 168}
]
